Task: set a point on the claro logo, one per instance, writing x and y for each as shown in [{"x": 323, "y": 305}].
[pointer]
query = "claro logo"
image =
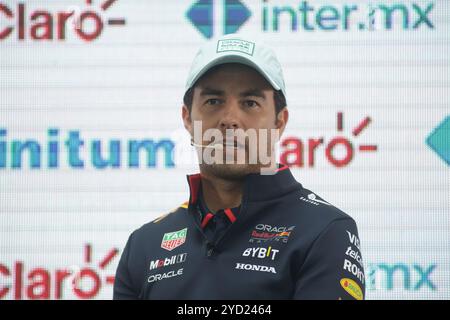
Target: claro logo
[
  {"x": 86, "y": 23},
  {"x": 84, "y": 282},
  {"x": 339, "y": 150}
]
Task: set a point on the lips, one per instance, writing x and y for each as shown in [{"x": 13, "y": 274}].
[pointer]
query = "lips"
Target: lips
[
  {"x": 234, "y": 144},
  {"x": 231, "y": 143}
]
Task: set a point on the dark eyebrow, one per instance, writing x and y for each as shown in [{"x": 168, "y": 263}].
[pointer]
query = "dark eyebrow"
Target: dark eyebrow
[
  {"x": 253, "y": 92},
  {"x": 207, "y": 91}
]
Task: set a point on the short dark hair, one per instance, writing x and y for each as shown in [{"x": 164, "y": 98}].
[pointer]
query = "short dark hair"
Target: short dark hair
[{"x": 278, "y": 96}]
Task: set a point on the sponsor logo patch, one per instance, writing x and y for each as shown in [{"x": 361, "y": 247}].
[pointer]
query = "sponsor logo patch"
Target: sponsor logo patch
[
  {"x": 237, "y": 45},
  {"x": 172, "y": 240},
  {"x": 354, "y": 270},
  {"x": 354, "y": 254},
  {"x": 166, "y": 275},
  {"x": 266, "y": 233},
  {"x": 261, "y": 253},
  {"x": 180, "y": 258},
  {"x": 353, "y": 240},
  {"x": 253, "y": 267},
  {"x": 312, "y": 198},
  {"x": 352, "y": 288}
]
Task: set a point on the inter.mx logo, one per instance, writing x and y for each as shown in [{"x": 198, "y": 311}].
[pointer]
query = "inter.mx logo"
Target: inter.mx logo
[
  {"x": 215, "y": 17},
  {"x": 439, "y": 140},
  {"x": 392, "y": 276},
  {"x": 212, "y": 17},
  {"x": 86, "y": 21}
]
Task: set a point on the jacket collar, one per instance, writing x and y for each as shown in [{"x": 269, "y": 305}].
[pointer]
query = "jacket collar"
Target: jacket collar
[{"x": 257, "y": 187}]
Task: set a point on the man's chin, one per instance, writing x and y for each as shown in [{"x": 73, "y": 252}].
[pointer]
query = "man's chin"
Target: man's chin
[{"x": 230, "y": 171}]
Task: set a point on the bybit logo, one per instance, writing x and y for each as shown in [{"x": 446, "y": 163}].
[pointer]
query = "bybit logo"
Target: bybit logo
[
  {"x": 40, "y": 24},
  {"x": 207, "y": 17},
  {"x": 261, "y": 253}
]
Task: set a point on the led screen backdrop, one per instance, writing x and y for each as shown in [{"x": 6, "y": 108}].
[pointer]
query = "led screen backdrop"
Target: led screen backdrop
[{"x": 83, "y": 84}]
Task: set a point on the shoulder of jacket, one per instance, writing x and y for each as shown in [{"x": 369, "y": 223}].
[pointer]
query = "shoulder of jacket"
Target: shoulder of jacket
[
  {"x": 161, "y": 220},
  {"x": 180, "y": 208},
  {"x": 316, "y": 207}
]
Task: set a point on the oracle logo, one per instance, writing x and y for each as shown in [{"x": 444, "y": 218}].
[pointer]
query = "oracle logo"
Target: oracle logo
[{"x": 40, "y": 24}]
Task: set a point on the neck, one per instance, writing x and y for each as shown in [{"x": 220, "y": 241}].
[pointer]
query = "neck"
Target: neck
[{"x": 220, "y": 193}]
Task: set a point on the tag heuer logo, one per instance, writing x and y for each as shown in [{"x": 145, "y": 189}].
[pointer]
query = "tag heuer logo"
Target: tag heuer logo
[{"x": 174, "y": 239}]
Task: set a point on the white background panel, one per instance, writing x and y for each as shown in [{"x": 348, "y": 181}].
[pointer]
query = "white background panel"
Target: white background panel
[{"x": 128, "y": 84}]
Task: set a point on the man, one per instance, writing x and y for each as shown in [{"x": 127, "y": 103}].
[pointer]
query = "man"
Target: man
[{"x": 244, "y": 233}]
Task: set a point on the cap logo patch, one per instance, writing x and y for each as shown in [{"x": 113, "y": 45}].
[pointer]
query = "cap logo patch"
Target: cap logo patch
[{"x": 235, "y": 45}]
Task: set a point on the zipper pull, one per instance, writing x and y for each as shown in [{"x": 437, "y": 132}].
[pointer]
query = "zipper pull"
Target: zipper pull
[{"x": 209, "y": 249}]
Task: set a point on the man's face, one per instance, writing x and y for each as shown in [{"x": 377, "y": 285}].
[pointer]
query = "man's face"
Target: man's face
[{"x": 234, "y": 96}]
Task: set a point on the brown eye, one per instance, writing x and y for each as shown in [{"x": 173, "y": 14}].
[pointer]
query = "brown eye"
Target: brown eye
[
  {"x": 250, "y": 103},
  {"x": 213, "y": 102}
]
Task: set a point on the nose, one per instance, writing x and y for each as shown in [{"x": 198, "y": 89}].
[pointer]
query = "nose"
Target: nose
[{"x": 231, "y": 118}]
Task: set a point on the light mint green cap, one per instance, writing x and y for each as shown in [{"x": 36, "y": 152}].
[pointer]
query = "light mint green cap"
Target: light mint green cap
[{"x": 233, "y": 48}]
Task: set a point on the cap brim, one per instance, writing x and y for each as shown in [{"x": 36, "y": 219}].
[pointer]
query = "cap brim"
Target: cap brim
[{"x": 233, "y": 59}]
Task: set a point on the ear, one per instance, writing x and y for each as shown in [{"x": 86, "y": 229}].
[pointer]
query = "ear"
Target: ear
[
  {"x": 282, "y": 119},
  {"x": 187, "y": 121}
]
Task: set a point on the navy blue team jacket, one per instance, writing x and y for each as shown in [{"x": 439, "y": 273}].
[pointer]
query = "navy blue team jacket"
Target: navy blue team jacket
[{"x": 282, "y": 242}]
